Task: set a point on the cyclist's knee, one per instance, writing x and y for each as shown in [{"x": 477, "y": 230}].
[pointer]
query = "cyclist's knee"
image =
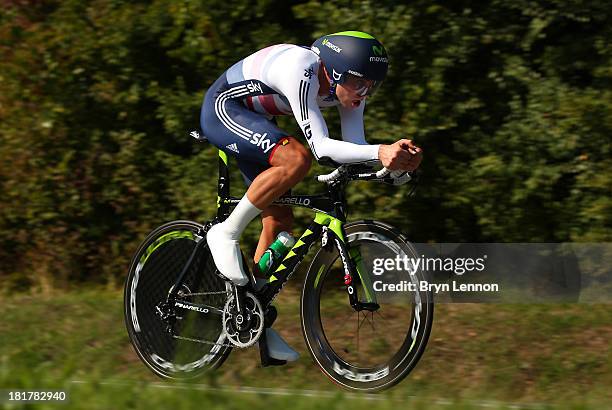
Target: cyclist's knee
[
  {"x": 301, "y": 160},
  {"x": 294, "y": 157},
  {"x": 304, "y": 162}
]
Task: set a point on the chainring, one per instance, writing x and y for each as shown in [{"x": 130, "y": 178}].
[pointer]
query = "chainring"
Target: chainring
[{"x": 243, "y": 329}]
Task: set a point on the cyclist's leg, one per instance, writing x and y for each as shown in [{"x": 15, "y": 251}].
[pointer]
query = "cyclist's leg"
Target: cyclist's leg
[
  {"x": 289, "y": 164},
  {"x": 224, "y": 123},
  {"x": 252, "y": 139},
  {"x": 274, "y": 219}
]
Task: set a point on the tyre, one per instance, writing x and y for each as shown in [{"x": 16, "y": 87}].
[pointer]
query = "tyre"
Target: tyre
[
  {"x": 153, "y": 271},
  {"x": 368, "y": 350}
]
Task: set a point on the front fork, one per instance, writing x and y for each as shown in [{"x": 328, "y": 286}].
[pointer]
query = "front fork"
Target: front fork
[{"x": 353, "y": 265}]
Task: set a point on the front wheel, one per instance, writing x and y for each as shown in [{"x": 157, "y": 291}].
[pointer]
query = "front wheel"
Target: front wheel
[{"x": 367, "y": 350}]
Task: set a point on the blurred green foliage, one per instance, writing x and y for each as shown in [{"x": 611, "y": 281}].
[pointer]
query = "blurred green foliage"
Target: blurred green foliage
[{"x": 511, "y": 101}]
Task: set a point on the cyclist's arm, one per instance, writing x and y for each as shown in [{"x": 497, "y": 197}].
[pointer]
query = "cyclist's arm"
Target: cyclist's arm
[
  {"x": 310, "y": 119},
  {"x": 352, "y": 149},
  {"x": 338, "y": 151},
  {"x": 352, "y": 124},
  {"x": 351, "y": 121}
]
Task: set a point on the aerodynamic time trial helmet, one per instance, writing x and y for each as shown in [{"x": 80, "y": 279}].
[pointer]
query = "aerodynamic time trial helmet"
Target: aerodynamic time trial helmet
[{"x": 353, "y": 58}]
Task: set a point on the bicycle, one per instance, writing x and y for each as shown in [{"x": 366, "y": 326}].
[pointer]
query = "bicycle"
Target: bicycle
[{"x": 183, "y": 318}]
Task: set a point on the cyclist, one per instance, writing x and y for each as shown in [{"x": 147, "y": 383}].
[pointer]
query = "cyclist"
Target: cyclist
[{"x": 237, "y": 116}]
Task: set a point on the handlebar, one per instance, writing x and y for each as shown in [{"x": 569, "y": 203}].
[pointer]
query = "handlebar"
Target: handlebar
[
  {"x": 383, "y": 172},
  {"x": 364, "y": 172},
  {"x": 332, "y": 176}
]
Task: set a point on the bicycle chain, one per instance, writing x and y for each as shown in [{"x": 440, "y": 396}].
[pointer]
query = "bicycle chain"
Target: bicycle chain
[
  {"x": 206, "y": 342},
  {"x": 225, "y": 292}
]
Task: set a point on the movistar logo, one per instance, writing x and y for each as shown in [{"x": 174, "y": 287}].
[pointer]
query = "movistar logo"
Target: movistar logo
[
  {"x": 378, "y": 50},
  {"x": 331, "y": 45},
  {"x": 379, "y": 55}
]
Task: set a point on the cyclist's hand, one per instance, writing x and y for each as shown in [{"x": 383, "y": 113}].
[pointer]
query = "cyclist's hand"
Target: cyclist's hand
[{"x": 401, "y": 155}]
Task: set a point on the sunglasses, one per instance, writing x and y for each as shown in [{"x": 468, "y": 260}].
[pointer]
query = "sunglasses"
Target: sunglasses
[{"x": 360, "y": 86}]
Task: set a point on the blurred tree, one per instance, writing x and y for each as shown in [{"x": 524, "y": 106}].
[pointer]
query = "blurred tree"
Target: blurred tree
[{"x": 511, "y": 102}]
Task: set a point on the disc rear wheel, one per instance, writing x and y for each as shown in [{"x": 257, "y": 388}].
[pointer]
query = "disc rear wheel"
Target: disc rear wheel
[{"x": 197, "y": 342}]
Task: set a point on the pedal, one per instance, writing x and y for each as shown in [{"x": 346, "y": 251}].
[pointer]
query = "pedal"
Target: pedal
[{"x": 266, "y": 360}]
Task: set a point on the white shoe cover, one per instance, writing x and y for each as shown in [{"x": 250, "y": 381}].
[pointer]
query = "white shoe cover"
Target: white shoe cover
[
  {"x": 226, "y": 254},
  {"x": 279, "y": 349}
]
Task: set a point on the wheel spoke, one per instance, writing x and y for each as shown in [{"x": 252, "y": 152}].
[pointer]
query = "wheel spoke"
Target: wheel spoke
[
  {"x": 365, "y": 318},
  {"x": 369, "y": 320},
  {"x": 358, "y": 352}
]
